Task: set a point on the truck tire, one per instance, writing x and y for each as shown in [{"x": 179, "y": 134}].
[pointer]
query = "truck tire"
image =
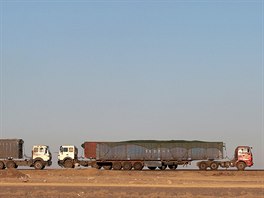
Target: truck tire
[
  {"x": 107, "y": 167},
  {"x": 138, "y": 166},
  {"x": 203, "y": 166},
  {"x": 127, "y": 166},
  {"x": 172, "y": 167},
  {"x": 241, "y": 166},
  {"x": 2, "y": 165},
  {"x": 38, "y": 165},
  {"x": 97, "y": 166},
  {"x": 117, "y": 166},
  {"x": 68, "y": 163},
  {"x": 11, "y": 164},
  {"x": 214, "y": 166},
  {"x": 163, "y": 167}
]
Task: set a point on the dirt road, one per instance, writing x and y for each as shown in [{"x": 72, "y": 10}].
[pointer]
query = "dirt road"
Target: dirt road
[{"x": 146, "y": 183}]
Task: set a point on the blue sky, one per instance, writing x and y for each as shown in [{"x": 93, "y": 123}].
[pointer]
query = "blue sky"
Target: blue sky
[{"x": 120, "y": 70}]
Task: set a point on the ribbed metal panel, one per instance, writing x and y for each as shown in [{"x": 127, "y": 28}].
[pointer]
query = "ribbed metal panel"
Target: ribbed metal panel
[{"x": 11, "y": 148}]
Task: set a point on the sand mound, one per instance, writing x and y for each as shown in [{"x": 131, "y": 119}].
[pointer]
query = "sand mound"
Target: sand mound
[{"x": 12, "y": 173}]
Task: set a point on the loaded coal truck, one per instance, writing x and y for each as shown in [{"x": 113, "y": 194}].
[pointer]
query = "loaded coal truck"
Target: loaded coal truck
[
  {"x": 153, "y": 154},
  {"x": 11, "y": 155}
]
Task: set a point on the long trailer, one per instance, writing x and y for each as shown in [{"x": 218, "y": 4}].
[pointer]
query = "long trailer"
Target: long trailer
[
  {"x": 11, "y": 155},
  {"x": 152, "y": 154}
]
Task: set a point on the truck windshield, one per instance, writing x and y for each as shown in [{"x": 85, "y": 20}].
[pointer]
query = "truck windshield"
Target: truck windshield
[{"x": 243, "y": 150}]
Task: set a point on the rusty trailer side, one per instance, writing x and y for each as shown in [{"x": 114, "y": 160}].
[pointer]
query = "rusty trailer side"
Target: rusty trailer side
[{"x": 11, "y": 148}]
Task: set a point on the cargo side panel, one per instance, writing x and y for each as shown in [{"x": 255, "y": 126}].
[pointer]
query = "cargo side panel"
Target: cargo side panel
[
  {"x": 152, "y": 151},
  {"x": 174, "y": 153},
  {"x": 11, "y": 148},
  {"x": 206, "y": 151},
  {"x": 136, "y": 152},
  {"x": 90, "y": 150},
  {"x": 105, "y": 151}
]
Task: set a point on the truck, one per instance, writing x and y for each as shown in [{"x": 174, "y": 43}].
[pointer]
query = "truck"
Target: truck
[
  {"x": 68, "y": 157},
  {"x": 153, "y": 154},
  {"x": 11, "y": 155}
]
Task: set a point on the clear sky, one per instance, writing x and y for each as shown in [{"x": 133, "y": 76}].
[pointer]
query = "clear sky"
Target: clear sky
[{"x": 75, "y": 71}]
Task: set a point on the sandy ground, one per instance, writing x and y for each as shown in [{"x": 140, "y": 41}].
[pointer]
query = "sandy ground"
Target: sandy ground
[{"x": 102, "y": 183}]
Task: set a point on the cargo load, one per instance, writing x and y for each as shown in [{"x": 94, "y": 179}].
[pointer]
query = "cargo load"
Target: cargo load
[
  {"x": 154, "y": 150},
  {"x": 11, "y": 148}
]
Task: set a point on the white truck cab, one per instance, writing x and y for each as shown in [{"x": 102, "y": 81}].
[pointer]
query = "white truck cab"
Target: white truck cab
[
  {"x": 41, "y": 151},
  {"x": 68, "y": 155},
  {"x": 41, "y": 156}
]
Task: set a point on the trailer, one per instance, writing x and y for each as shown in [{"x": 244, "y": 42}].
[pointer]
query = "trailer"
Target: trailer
[
  {"x": 11, "y": 155},
  {"x": 138, "y": 154}
]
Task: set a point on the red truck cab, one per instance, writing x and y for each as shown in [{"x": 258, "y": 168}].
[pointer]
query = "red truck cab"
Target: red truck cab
[{"x": 243, "y": 157}]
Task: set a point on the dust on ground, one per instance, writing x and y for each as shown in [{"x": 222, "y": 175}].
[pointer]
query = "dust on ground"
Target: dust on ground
[{"x": 88, "y": 182}]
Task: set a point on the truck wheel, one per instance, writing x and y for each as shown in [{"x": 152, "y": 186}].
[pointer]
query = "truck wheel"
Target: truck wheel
[
  {"x": 38, "y": 165},
  {"x": 2, "y": 165},
  {"x": 10, "y": 164},
  {"x": 127, "y": 166},
  {"x": 138, "y": 166},
  {"x": 117, "y": 165},
  {"x": 68, "y": 163},
  {"x": 241, "y": 166},
  {"x": 173, "y": 167},
  {"x": 214, "y": 166},
  {"x": 107, "y": 167},
  {"x": 163, "y": 167},
  {"x": 202, "y": 166},
  {"x": 96, "y": 166}
]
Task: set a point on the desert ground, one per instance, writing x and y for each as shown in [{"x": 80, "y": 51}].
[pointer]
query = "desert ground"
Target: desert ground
[{"x": 89, "y": 182}]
